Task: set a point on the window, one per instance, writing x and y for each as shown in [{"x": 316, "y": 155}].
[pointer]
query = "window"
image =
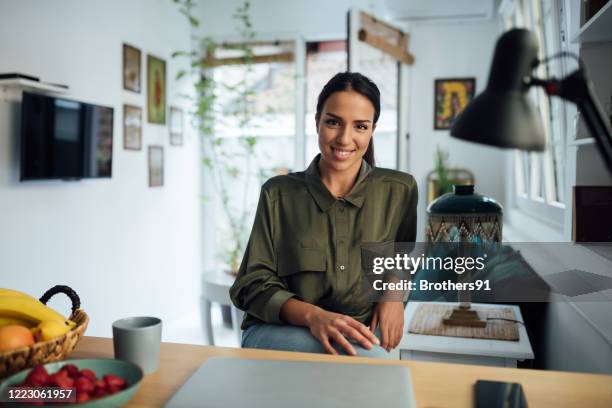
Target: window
[
  {"x": 539, "y": 177},
  {"x": 384, "y": 71},
  {"x": 254, "y": 136}
]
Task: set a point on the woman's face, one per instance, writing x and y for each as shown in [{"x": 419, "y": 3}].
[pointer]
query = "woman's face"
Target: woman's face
[{"x": 345, "y": 129}]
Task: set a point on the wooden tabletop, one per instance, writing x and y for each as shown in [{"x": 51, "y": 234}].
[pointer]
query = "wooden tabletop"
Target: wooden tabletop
[{"x": 435, "y": 384}]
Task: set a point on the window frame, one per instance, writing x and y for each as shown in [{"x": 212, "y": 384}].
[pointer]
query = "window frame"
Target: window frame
[
  {"x": 210, "y": 255},
  {"x": 535, "y": 189}
]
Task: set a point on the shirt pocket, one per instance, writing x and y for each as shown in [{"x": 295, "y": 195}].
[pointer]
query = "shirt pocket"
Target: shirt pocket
[
  {"x": 371, "y": 254},
  {"x": 304, "y": 272},
  {"x": 301, "y": 260}
]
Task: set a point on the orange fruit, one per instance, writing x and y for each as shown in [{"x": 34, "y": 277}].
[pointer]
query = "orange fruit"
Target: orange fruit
[{"x": 14, "y": 336}]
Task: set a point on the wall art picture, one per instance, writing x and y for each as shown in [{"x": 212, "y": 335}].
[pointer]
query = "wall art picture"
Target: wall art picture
[
  {"x": 156, "y": 166},
  {"x": 451, "y": 96},
  {"x": 131, "y": 68},
  {"x": 176, "y": 126},
  {"x": 132, "y": 127},
  {"x": 156, "y": 90}
]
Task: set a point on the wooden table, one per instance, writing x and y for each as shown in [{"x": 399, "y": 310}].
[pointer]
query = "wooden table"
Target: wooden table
[{"x": 435, "y": 384}]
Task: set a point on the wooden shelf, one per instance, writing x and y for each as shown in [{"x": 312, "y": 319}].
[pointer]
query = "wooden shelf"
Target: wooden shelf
[
  {"x": 598, "y": 28},
  {"x": 33, "y": 85}
]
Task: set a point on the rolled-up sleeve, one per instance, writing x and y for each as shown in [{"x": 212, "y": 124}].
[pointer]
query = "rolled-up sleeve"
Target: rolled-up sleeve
[{"x": 258, "y": 290}]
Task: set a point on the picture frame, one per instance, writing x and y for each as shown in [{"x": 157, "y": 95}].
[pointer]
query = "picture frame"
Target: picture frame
[
  {"x": 131, "y": 68},
  {"x": 156, "y": 90},
  {"x": 451, "y": 96},
  {"x": 156, "y": 166},
  {"x": 132, "y": 127},
  {"x": 176, "y": 126}
]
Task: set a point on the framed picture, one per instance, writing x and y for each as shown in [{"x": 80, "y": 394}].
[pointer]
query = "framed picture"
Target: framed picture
[
  {"x": 156, "y": 90},
  {"x": 156, "y": 166},
  {"x": 176, "y": 126},
  {"x": 451, "y": 96},
  {"x": 131, "y": 68},
  {"x": 132, "y": 127}
]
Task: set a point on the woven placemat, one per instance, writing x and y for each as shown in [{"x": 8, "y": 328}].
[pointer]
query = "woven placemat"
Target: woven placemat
[{"x": 428, "y": 320}]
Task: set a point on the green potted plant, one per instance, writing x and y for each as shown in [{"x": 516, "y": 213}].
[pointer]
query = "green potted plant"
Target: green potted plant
[{"x": 227, "y": 162}]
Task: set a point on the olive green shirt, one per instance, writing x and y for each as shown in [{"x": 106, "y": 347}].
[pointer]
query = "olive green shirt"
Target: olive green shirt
[{"x": 306, "y": 244}]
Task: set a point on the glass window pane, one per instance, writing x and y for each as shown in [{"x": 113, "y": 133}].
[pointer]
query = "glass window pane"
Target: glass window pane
[
  {"x": 254, "y": 137},
  {"x": 384, "y": 71},
  {"x": 526, "y": 162},
  {"x": 559, "y": 173},
  {"x": 547, "y": 178}
]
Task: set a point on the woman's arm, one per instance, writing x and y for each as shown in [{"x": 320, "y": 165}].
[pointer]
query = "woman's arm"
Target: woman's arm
[
  {"x": 258, "y": 289},
  {"x": 390, "y": 314},
  {"x": 326, "y": 325}
]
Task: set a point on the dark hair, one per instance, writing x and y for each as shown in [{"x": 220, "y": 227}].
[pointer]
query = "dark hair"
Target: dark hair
[{"x": 353, "y": 81}]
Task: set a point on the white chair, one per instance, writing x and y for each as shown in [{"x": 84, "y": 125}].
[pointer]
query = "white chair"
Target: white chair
[{"x": 215, "y": 288}]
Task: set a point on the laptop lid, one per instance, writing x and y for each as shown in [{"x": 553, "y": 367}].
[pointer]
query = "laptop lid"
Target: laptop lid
[{"x": 237, "y": 382}]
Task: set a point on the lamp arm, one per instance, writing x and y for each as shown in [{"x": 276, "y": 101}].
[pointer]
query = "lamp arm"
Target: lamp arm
[{"x": 578, "y": 89}]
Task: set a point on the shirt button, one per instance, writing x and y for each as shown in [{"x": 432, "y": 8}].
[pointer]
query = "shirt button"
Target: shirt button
[
  {"x": 341, "y": 267},
  {"x": 341, "y": 242},
  {"x": 341, "y": 209}
]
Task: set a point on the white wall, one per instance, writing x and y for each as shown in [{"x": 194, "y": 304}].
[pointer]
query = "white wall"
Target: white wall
[
  {"x": 449, "y": 50},
  {"x": 127, "y": 249},
  {"x": 312, "y": 19}
]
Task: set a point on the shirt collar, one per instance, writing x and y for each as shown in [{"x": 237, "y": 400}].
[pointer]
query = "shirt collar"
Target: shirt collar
[{"x": 321, "y": 194}]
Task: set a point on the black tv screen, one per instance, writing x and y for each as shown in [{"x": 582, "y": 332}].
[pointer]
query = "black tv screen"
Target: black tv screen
[{"x": 64, "y": 139}]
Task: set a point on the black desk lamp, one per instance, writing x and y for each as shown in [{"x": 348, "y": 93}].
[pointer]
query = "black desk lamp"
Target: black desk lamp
[{"x": 504, "y": 116}]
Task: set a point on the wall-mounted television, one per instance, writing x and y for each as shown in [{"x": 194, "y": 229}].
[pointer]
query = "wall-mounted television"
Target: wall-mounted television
[{"x": 65, "y": 139}]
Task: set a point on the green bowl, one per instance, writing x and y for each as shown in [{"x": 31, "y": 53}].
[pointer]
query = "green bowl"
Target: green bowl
[{"x": 101, "y": 366}]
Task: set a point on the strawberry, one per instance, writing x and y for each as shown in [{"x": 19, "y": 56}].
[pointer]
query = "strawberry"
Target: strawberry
[
  {"x": 100, "y": 385},
  {"x": 61, "y": 380},
  {"x": 37, "y": 377},
  {"x": 84, "y": 385},
  {"x": 82, "y": 397},
  {"x": 113, "y": 389},
  {"x": 114, "y": 381},
  {"x": 73, "y": 371},
  {"x": 100, "y": 393},
  {"x": 86, "y": 372}
]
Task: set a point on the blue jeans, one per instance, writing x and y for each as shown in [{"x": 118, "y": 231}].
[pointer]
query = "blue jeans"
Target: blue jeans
[{"x": 296, "y": 338}]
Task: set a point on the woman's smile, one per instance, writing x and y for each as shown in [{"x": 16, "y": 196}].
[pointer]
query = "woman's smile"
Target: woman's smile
[{"x": 342, "y": 153}]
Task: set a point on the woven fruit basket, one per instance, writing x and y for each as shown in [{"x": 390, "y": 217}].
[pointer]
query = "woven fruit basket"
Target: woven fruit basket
[{"x": 55, "y": 349}]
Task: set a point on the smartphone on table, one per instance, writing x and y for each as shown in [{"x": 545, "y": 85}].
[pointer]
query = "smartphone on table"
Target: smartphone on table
[{"x": 497, "y": 394}]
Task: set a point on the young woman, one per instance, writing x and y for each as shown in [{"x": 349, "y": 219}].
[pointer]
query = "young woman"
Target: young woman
[{"x": 301, "y": 280}]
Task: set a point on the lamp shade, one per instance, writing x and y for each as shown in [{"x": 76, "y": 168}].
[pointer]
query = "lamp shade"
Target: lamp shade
[{"x": 503, "y": 115}]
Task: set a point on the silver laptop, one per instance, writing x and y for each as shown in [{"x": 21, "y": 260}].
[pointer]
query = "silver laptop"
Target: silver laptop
[{"x": 223, "y": 382}]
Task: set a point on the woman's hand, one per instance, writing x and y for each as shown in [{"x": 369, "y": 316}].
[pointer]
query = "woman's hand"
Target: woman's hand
[
  {"x": 390, "y": 317},
  {"x": 326, "y": 325}
]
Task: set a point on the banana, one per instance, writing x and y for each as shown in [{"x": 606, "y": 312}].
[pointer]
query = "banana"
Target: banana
[
  {"x": 5, "y": 321},
  {"x": 48, "y": 330},
  {"x": 28, "y": 309},
  {"x": 11, "y": 292},
  {"x": 29, "y": 322}
]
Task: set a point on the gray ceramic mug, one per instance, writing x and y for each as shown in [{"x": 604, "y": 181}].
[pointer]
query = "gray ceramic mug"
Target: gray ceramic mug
[{"x": 137, "y": 340}]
